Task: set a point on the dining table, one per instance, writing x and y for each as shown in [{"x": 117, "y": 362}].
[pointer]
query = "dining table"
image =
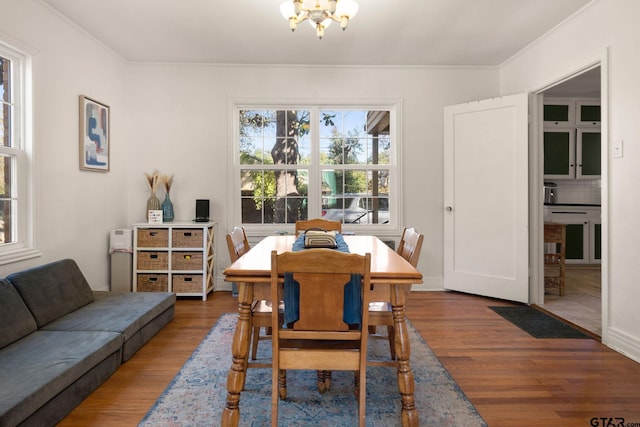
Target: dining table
[{"x": 391, "y": 279}]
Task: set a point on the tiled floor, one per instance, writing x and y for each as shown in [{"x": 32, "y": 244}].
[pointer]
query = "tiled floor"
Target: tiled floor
[{"x": 581, "y": 304}]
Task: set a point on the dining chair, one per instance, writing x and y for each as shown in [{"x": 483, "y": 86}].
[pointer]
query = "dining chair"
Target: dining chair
[
  {"x": 554, "y": 259},
  {"x": 380, "y": 313},
  {"x": 238, "y": 245},
  {"x": 324, "y": 224},
  {"x": 316, "y": 336}
]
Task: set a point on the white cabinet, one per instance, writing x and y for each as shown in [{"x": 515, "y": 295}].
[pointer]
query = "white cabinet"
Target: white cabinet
[
  {"x": 572, "y": 147},
  {"x": 174, "y": 257},
  {"x": 582, "y": 231}
]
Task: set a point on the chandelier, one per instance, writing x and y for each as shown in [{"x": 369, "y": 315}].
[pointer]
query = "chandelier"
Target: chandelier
[{"x": 319, "y": 13}]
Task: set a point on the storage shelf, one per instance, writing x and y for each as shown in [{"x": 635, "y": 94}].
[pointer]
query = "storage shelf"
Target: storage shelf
[{"x": 177, "y": 249}]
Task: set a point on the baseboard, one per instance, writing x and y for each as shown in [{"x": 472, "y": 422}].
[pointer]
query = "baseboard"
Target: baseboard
[
  {"x": 429, "y": 284},
  {"x": 623, "y": 343}
]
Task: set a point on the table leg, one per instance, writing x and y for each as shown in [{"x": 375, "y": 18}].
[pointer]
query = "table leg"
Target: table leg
[
  {"x": 403, "y": 353},
  {"x": 240, "y": 352}
]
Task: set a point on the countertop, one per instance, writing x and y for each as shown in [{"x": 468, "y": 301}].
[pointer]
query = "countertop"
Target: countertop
[{"x": 573, "y": 204}]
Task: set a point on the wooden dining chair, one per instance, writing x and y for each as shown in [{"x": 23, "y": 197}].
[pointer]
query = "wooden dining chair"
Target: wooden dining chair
[
  {"x": 554, "y": 260},
  {"x": 380, "y": 313},
  {"x": 324, "y": 224},
  {"x": 320, "y": 339},
  {"x": 238, "y": 245}
]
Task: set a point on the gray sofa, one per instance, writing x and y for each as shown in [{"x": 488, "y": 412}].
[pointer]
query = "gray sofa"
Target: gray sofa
[{"x": 59, "y": 340}]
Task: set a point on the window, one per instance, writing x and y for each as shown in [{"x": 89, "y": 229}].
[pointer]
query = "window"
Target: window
[
  {"x": 296, "y": 163},
  {"x": 16, "y": 239}
]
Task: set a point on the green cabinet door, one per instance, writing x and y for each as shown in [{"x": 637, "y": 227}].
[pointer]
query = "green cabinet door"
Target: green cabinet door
[
  {"x": 589, "y": 153},
  {"x": 575, "y": 241},
  {"x": 558, "y": 153},
  {"x": 597, "y": 242}
]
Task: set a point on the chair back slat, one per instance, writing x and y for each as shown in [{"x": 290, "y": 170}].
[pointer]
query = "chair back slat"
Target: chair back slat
[
  {"x": 237, "y": 243},
  {"x": 323, "y": 224},
  {"x": 410, "y": 245}
]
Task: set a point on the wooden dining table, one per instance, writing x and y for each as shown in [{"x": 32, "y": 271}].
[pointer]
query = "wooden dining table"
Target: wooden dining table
[{"x": 391, "y": 278}]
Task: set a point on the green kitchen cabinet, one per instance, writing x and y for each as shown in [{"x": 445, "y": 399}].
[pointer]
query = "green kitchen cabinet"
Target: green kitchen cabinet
[
  {"x": 559, "y": 153},
  {"x": 588, "y": 150}
]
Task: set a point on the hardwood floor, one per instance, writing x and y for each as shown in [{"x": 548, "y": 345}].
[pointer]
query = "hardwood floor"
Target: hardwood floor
[
  {"x": 582, "y": 300},
  {"x": 512, "y": 378}
]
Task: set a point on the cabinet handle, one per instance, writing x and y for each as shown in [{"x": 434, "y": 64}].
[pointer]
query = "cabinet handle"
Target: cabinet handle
[
  {"x": 188, "y": 279},
  {"x": 187, "y": 234},
  {"x": 153, "y": 256},
  {"x": 153, "y": 279},
  {"x": 153, "y": 233},
  {"x": 449, "y": 208}
]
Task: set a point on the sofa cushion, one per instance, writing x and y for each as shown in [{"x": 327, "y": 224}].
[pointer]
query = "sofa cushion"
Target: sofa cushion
[
  {"x": 122, "y": 312},
  {"x": 16, "y": 320},
  {"x": 137, "y": 316},
  {"x": 36, "y": 368},
  {"x": 52, "y": 290}
]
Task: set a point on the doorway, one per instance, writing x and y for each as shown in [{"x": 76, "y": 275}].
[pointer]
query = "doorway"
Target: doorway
[{"x": 581, "y": 303}]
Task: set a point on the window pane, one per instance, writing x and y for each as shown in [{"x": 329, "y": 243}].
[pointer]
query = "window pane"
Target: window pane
[
  {"x": 6, "y": 234},
  {"x": 5, "y": 125},
  {"x": 356, "y": 197},
  {"x": 274, "y": 196},
  {"x": 5, "y": 99},
  {"x": 354, "y": 137}
]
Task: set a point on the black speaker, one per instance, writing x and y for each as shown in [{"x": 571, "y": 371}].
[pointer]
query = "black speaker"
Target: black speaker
[{"x": 202, "y": 210}]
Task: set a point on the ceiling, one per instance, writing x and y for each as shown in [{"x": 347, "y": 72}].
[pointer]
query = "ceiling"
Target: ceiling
[
  {"x": 585, "y": 85},
  {"x": 384, "y": 32}
]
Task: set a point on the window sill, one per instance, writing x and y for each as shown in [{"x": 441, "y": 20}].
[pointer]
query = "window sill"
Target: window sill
[{"x": 17, "y": 255}]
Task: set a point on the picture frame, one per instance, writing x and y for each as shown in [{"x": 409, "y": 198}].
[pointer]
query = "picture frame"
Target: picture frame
[{"x": 94, "y": 135}]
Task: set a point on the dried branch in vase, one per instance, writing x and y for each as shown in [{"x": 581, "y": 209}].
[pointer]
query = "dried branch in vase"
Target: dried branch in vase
[
  {"x": 153, "y": 180},
  {"x": 167, "y": 181}
]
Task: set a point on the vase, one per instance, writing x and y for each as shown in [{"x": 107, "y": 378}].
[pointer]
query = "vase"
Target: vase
[
  {"x": 153, "y": 204},
  {"x": 167, "y": 209}
]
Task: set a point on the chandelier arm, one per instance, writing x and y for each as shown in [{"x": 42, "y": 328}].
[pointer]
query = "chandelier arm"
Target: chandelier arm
[{"x": 302, "y": 17}]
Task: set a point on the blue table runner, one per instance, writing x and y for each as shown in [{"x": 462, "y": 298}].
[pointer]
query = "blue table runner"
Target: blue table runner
[{"x": 352, "y": 299}]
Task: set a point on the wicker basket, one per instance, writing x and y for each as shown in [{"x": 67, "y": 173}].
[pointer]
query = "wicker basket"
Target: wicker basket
[
  {"x": 152, "y": 260},
  {"x": 152, "y": 283},
  {"x": 186, "y": 238},
  {"x": 153, "y": 238},
  {"x": 186, "y": 260},
  {"x": 187, "y": 283}
]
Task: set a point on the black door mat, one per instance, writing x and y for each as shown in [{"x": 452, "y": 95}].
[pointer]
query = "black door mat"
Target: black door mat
[{"x": 538, "y": 324}]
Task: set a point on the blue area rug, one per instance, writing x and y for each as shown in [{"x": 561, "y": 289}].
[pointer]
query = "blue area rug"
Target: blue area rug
[{"x": 197, "y": 395}]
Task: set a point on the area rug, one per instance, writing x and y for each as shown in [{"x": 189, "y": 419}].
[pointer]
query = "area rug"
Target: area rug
[
  {"x": 536, "y": 323},
  {"x": 197, "y": 395}
]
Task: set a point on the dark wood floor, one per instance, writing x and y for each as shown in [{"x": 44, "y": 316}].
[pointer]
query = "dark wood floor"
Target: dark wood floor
[{"x": 511, "y": 378}]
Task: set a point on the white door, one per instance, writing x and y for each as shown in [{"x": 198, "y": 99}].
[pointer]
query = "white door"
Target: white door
[{"x": 486, "y": 244}]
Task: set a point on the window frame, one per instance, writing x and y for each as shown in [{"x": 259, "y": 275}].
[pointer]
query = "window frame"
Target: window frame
[
  {"x": 314, "y": 190},
  {"x": 21, "y": 150}
]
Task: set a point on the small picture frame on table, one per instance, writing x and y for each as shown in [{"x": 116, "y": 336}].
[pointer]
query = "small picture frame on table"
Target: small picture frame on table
[
  {"x": 94, "y": 135},
  {"x": 155, "y": 216}
]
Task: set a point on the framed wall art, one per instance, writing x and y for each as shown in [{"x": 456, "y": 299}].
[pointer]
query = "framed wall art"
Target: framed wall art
[{"x": 94, "y": 135}]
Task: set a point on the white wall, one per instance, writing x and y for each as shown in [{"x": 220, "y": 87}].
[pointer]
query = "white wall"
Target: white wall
[
  {"x": 180, "y": 124},
  {"x": 74, "y": 210},
  {"x": 176, "y": 118},
  {"x": 605, "y": 29}
]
